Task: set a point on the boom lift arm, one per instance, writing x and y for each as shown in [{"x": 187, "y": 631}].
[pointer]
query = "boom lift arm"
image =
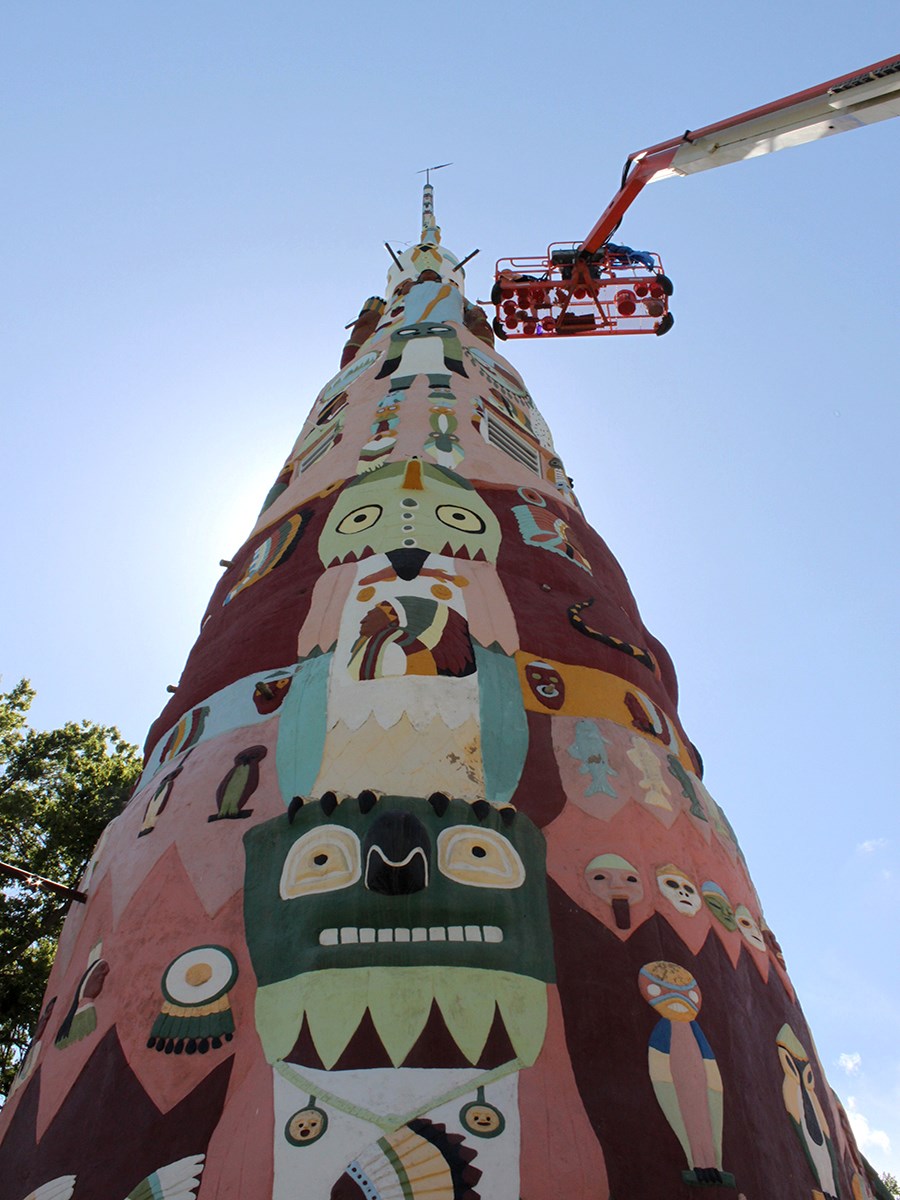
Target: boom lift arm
[{"x": 848, "y": 102}]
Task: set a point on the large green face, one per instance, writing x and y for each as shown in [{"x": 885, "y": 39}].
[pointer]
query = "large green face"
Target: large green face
[
  {"x": 392, "y": 907},
  {"x": 409, "y": 506},
  {"x": 399, "y": 885}
]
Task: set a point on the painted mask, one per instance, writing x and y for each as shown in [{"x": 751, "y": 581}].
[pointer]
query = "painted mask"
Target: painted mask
[
  {"x": 268, "y": 694},
  {"x": 547, "y": 684},
  {"x": 749, "y": 928},
  {"x": 617, "y": 882},
  {"x": 718, "y": 904},
  {"x": 680, "y": 891}
]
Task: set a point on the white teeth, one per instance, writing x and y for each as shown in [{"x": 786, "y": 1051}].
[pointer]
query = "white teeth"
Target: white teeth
[{"x": 349, "y": 935}]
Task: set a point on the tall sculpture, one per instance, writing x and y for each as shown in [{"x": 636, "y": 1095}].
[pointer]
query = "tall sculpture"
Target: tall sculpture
[{"x": 421, "y": 893}]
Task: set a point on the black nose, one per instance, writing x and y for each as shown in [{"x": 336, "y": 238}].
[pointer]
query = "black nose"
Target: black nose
[
  {"x": 407, "y": 563},
  {"x": 397, "y": 850}
]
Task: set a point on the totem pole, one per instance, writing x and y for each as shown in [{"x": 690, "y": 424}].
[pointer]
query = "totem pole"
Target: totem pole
[{"x": 419, "y": 844}]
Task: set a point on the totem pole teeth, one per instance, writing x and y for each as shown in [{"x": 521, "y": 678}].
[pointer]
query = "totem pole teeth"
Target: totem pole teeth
[
  {"x": 523, "y": 1006},
  {"x": 399, "y": 1000},
  {"x": 399, "y": 1014},
  {"x": 468, "y": 1011}
]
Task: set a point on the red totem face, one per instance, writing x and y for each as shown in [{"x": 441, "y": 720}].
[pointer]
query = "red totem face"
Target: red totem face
[
  {"x": 269, "y": 693},
  {"x": 546, "y": 683}
]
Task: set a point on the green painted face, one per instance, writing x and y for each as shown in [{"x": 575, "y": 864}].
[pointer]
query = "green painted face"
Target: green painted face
[
  {"x": 409, "y": 506},
  {"x": 396, "y": 886},
  {"x": 719, "y": 905},
  {"x": 393, "y": 906}
]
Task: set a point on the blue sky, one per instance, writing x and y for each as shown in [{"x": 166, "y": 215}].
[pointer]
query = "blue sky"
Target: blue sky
[{"x": 196, "y": 203}]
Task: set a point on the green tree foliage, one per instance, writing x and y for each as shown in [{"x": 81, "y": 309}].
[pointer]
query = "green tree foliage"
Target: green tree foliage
[
  {"x": 58, "y": 789},
  {"x": 890, "y": 1182}
]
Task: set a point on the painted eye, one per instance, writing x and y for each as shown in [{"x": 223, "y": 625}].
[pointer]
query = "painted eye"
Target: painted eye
[
  {"x": 323, "y": 860},
  {"x": 787, "y": 1063},
  {"x": 407, "y": 333},
  {"x": 653, "y": 989},
  {"x": 459, "y": 518},
  {"x": 360, "y": 519},
  {"x": 479, "y": 858}
]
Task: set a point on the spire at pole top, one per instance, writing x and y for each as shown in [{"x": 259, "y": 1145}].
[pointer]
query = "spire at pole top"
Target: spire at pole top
[{"x": 431, "y": 232}]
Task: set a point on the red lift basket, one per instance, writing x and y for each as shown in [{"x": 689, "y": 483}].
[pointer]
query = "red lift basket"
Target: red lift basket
[{"x": 570, "y": 292}]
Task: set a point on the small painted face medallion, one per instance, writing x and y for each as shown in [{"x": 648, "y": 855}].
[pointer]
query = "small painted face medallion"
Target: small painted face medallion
[
  {"x": 306, "y": 1126},
  {"x": 482, "y": 1119},
  {"x": 680, "y": 891},
  {"x": 547, "y": 684},
  {"x": 718, "y": 904},
  {"x": 749, "y": 928},
  {"x": 671, "y": 990}
]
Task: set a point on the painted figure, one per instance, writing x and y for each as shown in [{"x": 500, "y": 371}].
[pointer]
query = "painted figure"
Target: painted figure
[
  {"x": 81, "y": 1019},
  {"x": 589, "y": 748},
  {"x": 684, "y": 1071},
  {"x": 798, "y": 1091},
  {"x": 239, "y": 785},
  {"x": 417, "y": 634}
]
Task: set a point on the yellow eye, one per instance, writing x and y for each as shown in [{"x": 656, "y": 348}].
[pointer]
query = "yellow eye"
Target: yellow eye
[
  {"x": 479, "y": 858},
  {"x": 323, "y": 860},
  {"x": 460, "y": 518},
  {"x": 360, "y": 519}
]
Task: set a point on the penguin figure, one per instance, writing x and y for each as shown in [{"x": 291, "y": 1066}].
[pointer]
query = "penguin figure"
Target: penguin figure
[
  {"x": 798, "y": 1092},
  {"x": 684, "y": 1072}
]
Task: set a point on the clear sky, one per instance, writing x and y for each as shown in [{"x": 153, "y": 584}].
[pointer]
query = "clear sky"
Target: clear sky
[{"x": 196, "y": 198}]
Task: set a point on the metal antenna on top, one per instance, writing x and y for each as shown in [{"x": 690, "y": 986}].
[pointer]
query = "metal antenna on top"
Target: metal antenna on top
[{"x": 426, "y": 171}]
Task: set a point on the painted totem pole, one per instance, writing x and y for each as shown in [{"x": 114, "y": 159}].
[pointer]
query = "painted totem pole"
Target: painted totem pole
[{"x": 421, "y": 893}]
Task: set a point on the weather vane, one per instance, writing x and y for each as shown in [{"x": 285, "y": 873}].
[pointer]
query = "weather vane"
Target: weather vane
[{"x": 426, "y": 171}]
